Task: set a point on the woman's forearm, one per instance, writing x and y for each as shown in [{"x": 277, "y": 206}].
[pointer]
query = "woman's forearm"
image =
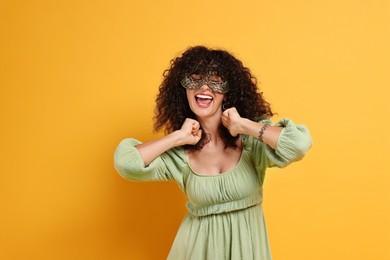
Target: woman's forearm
[
  {"x": 270, "y": 134},
  {"x": 188, "y": 134},
  {"x": 152, "y": 149}
]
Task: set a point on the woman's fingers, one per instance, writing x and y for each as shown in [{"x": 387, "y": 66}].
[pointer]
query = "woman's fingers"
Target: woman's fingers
[
  {"x": 198, "y": 135},
  {"x": 231, "y": 120},
  {"x": 190, "y": 131},
  {"x": 225, "y": 122},
  {"x": 195, "y": 127}
]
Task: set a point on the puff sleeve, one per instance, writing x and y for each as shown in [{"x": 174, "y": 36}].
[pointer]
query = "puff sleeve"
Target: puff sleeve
[
  {"x": 293, "y": 143},
  {"x": 129, "y": 164}
]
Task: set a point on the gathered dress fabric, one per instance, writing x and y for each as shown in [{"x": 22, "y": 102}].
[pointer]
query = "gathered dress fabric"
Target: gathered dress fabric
[{"x": 225, "y": 218}]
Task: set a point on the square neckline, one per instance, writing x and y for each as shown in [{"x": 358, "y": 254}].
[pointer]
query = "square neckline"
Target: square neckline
[{"x": 187, "y": 159}]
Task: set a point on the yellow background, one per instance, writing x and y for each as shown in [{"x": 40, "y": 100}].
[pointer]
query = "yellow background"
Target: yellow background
[{"x": 78, "y": 76}]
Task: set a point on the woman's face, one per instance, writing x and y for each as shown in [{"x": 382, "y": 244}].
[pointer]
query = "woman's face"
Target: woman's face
[{"x": 204, "y": 102}]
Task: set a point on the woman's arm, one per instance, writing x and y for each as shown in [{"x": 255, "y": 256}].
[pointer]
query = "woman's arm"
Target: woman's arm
[
  {"x": 286, "y": 142},
  {"x": 188, "y": 134},
  {"x": 238, "y": 125}
]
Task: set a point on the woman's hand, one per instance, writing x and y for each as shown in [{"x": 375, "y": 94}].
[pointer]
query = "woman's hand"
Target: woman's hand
[
  {"x": 232, "y": 120},
  {"x": 239, "y": 125},
  {"x": 190, "y": 132}
]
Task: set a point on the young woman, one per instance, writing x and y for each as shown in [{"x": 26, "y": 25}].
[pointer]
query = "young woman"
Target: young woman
[{"x": 219, "y": 141}]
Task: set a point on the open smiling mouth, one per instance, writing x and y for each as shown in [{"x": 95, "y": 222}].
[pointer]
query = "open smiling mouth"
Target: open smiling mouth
[{"x": 203, "y": 100}]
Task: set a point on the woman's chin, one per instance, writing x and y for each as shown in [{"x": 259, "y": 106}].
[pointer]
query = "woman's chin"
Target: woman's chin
[{"x": 206, "y": 112}]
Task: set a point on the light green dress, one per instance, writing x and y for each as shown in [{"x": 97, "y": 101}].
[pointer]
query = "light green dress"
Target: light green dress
[{"x": 225, "y": 217}]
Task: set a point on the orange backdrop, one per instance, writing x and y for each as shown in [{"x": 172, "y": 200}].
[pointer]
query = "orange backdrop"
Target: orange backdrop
[{"x": 76, "y": 77}]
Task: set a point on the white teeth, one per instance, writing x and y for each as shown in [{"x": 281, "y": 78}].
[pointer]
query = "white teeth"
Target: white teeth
[{"x": 204, "y": 96}]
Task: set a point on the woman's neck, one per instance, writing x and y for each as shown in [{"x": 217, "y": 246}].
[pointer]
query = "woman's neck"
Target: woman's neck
[{"x": 211, "y": 127}]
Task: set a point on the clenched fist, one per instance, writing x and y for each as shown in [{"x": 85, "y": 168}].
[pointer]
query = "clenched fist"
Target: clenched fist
[
  {"x": 232, "y": 120},
  {"x": 190, "y": 132}
]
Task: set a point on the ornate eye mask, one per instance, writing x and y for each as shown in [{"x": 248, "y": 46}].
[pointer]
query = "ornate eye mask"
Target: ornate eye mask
[{"x": 214, "y": 82}]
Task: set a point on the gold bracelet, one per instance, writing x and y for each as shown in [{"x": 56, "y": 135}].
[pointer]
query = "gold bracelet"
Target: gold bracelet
[{"x": 262, "y": 132}]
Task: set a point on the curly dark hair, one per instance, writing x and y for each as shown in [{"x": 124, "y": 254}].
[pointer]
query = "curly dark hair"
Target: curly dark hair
[{"x": 172, "y": 107}]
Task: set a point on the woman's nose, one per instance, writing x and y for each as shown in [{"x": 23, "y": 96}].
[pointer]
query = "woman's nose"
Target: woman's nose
[{"x": 205, "y": 86}]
